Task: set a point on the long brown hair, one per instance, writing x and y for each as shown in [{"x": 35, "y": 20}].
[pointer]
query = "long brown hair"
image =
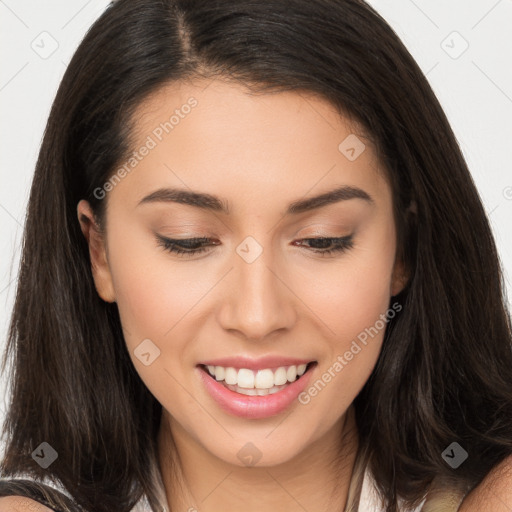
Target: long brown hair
[{"x": 444, "y": 372}]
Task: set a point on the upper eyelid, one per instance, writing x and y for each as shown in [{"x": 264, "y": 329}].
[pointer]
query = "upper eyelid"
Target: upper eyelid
[
  {"x": 347, "y": 239},
  {"x": 211, "y": 238},
  {"x": 207, "y": 241},
  {"x": 321, "y": 231}
]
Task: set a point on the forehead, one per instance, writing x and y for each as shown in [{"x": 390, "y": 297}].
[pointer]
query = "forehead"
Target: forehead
[{"x": 221, "y": 136}]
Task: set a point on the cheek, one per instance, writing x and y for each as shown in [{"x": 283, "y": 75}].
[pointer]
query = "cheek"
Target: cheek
[
  {"x": 350, "y": 293},
  {"x": 350, "y": 299},
  {"x": 148, "y": 305},
  {"x": 158, "y": 298},
  {"x": 155, "y": 303}
]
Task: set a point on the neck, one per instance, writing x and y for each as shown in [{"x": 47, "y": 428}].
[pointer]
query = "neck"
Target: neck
[{"x": 316, "y": 480}]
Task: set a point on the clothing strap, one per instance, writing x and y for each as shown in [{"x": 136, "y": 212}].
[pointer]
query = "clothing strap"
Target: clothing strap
[
  {"x": 37, "y": 491},
  {"x": 442, "y": 496},
  {"x": 445, "y": 497},
  {"x": 356, "y": 484}
]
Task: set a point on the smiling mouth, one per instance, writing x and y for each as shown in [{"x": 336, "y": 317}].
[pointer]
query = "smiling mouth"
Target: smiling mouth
[{"x": 261, "y": 390}]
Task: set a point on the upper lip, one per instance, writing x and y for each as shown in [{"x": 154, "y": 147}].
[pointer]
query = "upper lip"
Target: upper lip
[{"x": 270, "y": 361}]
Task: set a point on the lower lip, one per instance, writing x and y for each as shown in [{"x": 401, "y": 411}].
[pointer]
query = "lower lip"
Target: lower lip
[{"x": 254, "y": 407}]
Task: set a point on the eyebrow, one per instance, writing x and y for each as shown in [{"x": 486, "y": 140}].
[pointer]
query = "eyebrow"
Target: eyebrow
[{"x": 216, "y": 204}]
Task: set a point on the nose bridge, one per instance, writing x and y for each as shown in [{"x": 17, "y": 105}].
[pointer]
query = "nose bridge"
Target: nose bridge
[{"x": 258, "y": 302}]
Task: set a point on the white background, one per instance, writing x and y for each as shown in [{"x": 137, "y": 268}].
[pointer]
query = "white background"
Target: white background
[{"x": 475, "y": 90}]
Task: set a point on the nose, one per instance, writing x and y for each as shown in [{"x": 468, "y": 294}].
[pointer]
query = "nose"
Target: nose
[{"x": 259, "y": 301}]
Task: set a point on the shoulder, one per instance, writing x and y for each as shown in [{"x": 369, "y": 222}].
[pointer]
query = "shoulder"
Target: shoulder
[
  {"x": 494, "y": 493},
  {"x": 21, "y": 504}
]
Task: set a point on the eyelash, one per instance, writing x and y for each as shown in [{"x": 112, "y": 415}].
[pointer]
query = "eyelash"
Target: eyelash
[{"x": 341, "y": 244}]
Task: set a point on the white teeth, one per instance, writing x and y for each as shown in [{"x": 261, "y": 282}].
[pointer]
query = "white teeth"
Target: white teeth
[
  {"x": 280, "y": 376},
  {"x": 219, "y": 372},
  {"x": 265, "y": 379},
  {"x": 231, "y": 376},
  {"x": 291, "y": 374},
  {"x": 245, "y": 378},
  {"x": 255, "y": 392}
]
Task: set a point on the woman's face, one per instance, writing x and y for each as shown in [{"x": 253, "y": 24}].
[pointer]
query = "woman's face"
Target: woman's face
[{"x": 261, "y": 287}]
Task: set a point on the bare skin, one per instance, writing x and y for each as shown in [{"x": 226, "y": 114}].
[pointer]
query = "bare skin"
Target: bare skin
[
  {"x": 259, "y": 153},
  {"x": 494, "y": 493},
  {"x": 19, "y": 504}
]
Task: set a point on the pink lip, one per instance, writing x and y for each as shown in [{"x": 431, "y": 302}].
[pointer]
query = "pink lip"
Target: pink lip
[
  {"x": 272, "y": 362},
  {"x": 254, "y": 407}
]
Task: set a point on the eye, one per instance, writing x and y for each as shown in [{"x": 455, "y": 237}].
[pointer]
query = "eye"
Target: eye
[
  {"x": 339, "y": 244},
  {"x": 191, "y": 246},
  {"x": 185, "y": 247}
]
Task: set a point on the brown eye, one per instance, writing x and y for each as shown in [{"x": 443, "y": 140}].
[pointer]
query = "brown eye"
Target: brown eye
[
  {"x": 339, "y": 244},
  {"x": 184, "y": 247},
  {"x": 191, "y": 246}
]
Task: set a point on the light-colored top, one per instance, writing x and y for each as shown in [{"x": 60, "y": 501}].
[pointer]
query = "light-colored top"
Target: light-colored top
[
  {"x": 363, "y": 495},
  {"x": 438, "y": 500}
]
